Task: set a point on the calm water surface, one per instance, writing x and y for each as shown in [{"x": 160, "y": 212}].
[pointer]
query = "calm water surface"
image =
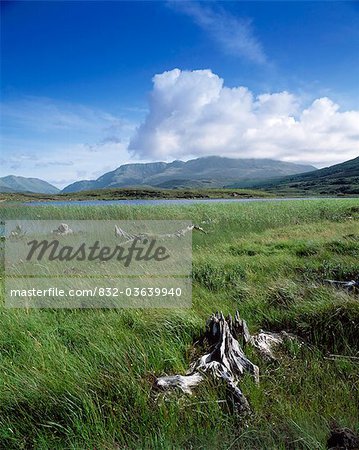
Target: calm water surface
[{"x": 177, "y": 201}]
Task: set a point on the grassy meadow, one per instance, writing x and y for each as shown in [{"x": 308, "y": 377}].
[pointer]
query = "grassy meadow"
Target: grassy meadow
[{"x": 82, "y": 379}]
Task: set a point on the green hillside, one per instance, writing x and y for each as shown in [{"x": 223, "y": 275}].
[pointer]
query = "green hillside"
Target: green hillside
[{"x": 341, "y": 179}]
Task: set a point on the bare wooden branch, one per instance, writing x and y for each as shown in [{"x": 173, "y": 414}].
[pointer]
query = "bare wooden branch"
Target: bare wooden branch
[
  {"x": 183, "y": 382},
  {"x": 348, "y": 285},
  {"x": 119, "y": 232},
  {"x": 332, "y": 357}
]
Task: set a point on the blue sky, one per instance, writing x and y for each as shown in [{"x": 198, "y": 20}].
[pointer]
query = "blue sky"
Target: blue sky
[{"x": 254, "y": 79}]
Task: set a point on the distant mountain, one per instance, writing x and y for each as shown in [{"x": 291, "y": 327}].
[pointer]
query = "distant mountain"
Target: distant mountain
[
  {"x": 342, "y": 179},
  {"x": 12, "y": 183},
  {"x": 211, "y": 171}
]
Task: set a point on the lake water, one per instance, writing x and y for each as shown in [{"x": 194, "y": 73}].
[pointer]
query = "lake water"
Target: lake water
[{"x": 177, "y": 201}]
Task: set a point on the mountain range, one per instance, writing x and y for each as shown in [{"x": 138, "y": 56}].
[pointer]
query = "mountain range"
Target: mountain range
[
  {"x": 12, "y": 183},
  {"x": 211, "y": 171}
]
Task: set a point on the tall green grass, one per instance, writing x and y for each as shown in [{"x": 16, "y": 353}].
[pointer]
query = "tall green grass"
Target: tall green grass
[{"x": 82, "y": 379}]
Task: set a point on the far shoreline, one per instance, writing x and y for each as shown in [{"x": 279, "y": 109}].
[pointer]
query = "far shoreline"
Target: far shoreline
[{"x": 133, "y": 194}]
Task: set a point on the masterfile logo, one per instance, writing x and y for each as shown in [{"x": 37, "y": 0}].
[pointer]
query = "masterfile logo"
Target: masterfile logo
[{"x": 98, "y": 263}]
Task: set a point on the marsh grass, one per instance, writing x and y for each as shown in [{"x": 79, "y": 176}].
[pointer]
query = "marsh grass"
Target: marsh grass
[{"x": 82, "y": 379}]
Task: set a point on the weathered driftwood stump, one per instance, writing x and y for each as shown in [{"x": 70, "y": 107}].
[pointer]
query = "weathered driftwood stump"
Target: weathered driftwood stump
[
  {"x": 225, "y": 359},
  {"x": 62, "y": 230},
  {"x": 17, "y": 233}
]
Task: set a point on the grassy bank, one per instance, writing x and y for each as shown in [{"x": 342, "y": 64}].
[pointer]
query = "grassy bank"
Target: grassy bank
[
  {"x": 140, "y": 193},
  {"x": 83, "y": 379}
]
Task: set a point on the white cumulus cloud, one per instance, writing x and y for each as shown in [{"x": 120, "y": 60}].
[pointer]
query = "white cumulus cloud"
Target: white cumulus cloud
[{"x": 192, "y": 113}]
